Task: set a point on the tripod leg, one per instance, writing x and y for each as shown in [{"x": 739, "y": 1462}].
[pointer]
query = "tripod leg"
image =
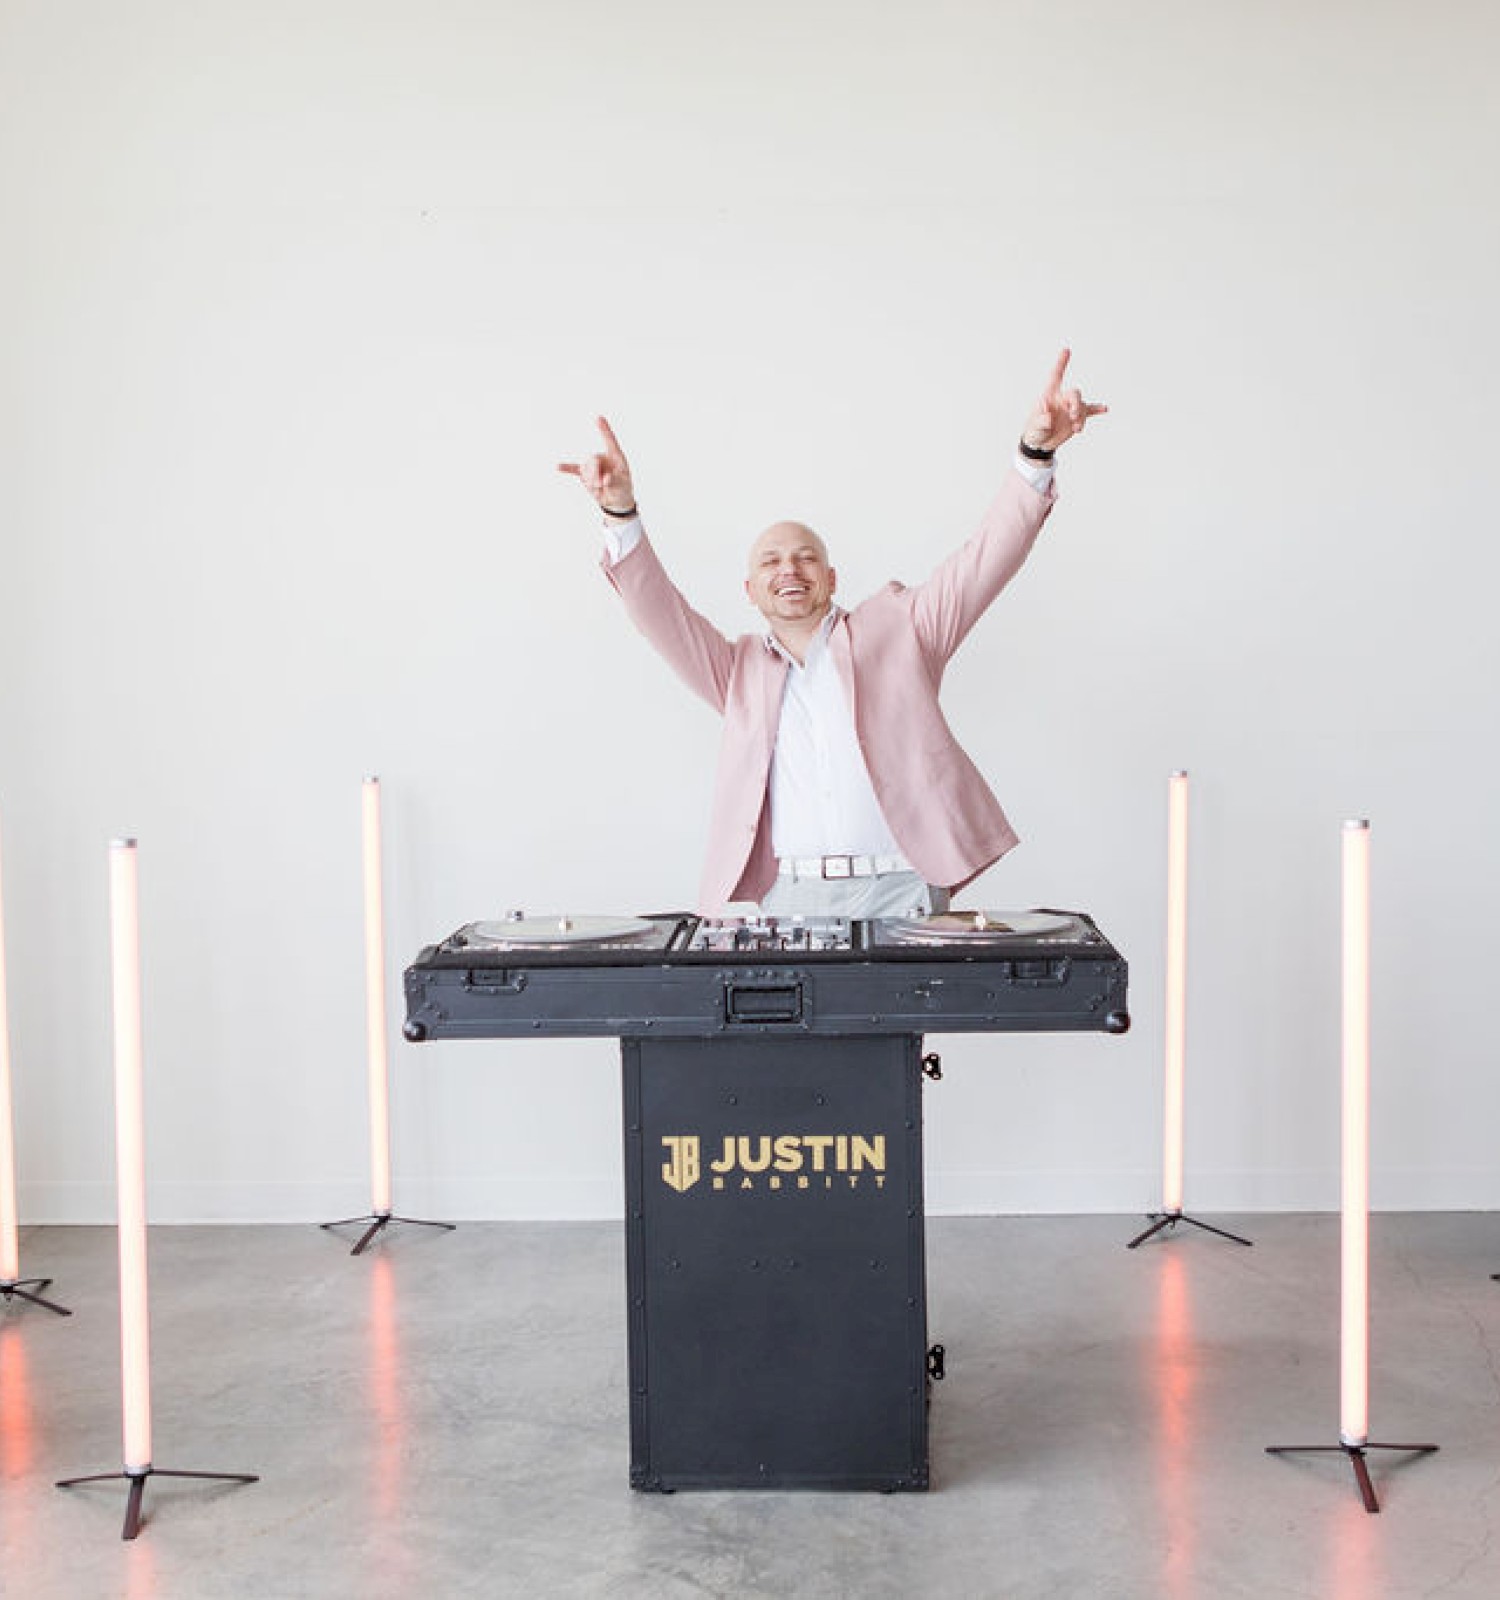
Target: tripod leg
[
  {"x": 1362, "y": 1477},
  {"x": 369, "y": 1233},
  {"x": 1167, "y": 1220},
  {"x": 1223, "y": 1233},
  {"x": 215, "y": 1477},
  {"x": 133, "y": 1504}
]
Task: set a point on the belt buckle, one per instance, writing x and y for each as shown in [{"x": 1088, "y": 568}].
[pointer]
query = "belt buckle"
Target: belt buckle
[{"x": 838, "y": 866}]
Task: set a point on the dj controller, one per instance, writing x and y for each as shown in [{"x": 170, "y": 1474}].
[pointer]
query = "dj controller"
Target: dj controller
[{"x": 683, "y": 976}]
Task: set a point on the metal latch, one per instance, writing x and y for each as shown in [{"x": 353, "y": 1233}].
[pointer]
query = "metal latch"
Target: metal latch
[
  {"x": 1041, "y": 974},
  {"x": 498, "y": 980}
]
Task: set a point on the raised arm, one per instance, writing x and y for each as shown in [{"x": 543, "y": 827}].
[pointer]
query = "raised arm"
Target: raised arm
[
  {"x": 606, "y": 476},
  {"x": 689, "y": 643},
  {"x": 957, "y": 594}
]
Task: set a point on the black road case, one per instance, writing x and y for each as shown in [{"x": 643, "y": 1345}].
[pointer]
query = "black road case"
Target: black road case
[
  {"x": 777, "y": 1295},
  {"x": 773, "y": 1082}
]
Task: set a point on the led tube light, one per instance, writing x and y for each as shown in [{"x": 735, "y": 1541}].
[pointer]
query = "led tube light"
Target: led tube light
[
  {"x": 130, "y": 1154},
  {"x": 1354, "y": 1355},
  {"x": 375, "y": 1005},
  {"x": 1176, "y": 992},
  {"x": 10, "y": 1253}
]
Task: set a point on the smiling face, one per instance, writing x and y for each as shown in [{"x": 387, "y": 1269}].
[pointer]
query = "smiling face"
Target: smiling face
[{"x": 790, "y": 581}]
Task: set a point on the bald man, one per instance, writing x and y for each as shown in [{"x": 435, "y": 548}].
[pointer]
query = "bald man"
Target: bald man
[{"x": 841, "y": 790}]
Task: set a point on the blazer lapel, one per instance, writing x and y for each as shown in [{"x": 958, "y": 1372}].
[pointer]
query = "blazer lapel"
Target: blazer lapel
[{"x": 843, "y": 661}]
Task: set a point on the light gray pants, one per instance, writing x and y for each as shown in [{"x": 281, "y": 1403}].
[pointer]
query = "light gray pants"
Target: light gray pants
[{"x": 884, "y": 894}]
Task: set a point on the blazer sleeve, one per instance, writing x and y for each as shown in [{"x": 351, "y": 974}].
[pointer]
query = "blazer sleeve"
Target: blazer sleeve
[
  {"x": 689, "y": 643},
  {"x": 963, "y": 587}
]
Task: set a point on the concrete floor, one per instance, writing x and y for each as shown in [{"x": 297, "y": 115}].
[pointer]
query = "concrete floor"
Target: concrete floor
[{"x": 446, "y": 1416}]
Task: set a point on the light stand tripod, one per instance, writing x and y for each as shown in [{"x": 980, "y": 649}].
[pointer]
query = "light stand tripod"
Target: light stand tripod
[
  {"x": 19, "y": 1289},
  {"x": 1354, "y": 1229},
  {"x": 130, "y": 1180},
  {"x": 378, "y": 1222},
  {"x": 1169, "y": 1219},
  {"x": 136, "y": 1478},
  {"x": 380, "y": 1215},
  {"x": 1356, "y": 1455},
  {"x": 1176, "y": 1025}
]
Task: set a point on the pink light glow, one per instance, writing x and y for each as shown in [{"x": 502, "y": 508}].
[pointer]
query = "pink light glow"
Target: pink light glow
[
  {"x": 142, "y": 1575},
  {"x": 130, "y": 1153},
  {"x": 1354, "y": 1362},
  {"x": 19, "y": 1433},
  {"x": 1176, "y": 996},
  {"x": 375, "y": 1005},
  {"x": 390, "y": 1459},
  {"x": 1172, "y": 1378},
  {"x": 10, "y": 1254}
]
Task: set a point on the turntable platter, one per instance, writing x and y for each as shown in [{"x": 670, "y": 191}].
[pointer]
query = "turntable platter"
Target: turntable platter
[
  {"x": 559, "y": 932},
  {"x": 978, "y": 927}
]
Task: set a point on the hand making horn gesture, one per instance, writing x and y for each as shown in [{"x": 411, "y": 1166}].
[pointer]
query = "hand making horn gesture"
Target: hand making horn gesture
[
  {"x": 1059, "y": 414},
  {"x": 606, "y": 476}
]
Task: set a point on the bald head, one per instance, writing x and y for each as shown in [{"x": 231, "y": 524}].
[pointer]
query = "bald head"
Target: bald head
[
  {"x": 786, "y": 535},
  {"x": 790, "y": 581}
]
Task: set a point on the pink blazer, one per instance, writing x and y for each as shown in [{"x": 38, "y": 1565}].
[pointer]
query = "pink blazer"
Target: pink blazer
[{"x": 890, "y": 651}]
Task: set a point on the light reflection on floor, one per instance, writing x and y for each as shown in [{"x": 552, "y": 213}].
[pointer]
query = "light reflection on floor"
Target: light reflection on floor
[
  {"x": 1172, "y": 1381},
  {"x": 391, "y": 1453},
  {"x": 17, "y": 1409}
]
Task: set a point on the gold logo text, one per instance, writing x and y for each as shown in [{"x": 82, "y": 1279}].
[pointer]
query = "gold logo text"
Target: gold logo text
[{"x": 789, "y": 1161}]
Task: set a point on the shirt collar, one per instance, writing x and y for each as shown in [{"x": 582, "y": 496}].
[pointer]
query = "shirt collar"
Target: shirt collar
[{"x": 819, "y": 639}]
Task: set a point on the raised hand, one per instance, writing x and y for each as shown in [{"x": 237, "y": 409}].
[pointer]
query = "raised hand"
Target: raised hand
[
  {"x": 606, "y": 476},
  {"x": 1060, "y": 413}
]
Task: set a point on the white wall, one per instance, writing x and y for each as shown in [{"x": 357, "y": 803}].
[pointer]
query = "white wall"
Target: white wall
[{"x": 300, "y": 303}]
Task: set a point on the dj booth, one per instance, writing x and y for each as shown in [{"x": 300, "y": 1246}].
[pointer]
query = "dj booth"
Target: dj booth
[{"x": 773, "y": 1077}]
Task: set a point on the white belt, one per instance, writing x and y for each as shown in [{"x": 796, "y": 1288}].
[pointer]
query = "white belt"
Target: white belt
[{"x": 841, "y": 866}]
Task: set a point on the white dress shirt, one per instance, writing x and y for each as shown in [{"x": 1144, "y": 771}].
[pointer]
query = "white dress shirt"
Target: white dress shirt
[{"x": 822, "y": 800}]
